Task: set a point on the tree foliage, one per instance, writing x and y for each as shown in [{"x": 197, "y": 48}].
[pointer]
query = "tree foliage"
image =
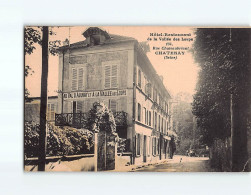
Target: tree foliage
[
  {"x": 100, "y": 118},
  {"x": 224, "y": 58},
  {"x": 183, "y": 120},
  {"x": 32, "y": 39}
]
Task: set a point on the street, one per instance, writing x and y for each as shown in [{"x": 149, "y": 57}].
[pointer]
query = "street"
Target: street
[{"x": 179, "y": 164}]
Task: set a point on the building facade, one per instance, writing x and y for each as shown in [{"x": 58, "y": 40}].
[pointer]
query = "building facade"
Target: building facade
[{"x": 115, "y": 70}]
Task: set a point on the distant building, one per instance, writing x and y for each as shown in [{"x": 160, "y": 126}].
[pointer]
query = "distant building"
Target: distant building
[
  {"x": 32, "y": 109},
  {"x": 116, "y": 70}
]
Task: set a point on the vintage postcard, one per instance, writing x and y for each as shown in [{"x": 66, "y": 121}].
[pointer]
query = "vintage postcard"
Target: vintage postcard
[{"x": 137, "y": 99}]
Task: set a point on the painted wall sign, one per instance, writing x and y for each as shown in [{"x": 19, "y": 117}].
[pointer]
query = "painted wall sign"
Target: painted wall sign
[{"x": 93, "y": 94}]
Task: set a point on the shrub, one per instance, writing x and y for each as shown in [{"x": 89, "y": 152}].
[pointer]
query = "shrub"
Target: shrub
[
  {"x": 60, "y": 140},
  {"x": 121, "y": 145}
]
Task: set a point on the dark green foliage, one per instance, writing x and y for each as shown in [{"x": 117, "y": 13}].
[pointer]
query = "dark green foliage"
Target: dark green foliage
[
  {"x": 224, "y": 58},
  {"x": 60, "y": 140}
]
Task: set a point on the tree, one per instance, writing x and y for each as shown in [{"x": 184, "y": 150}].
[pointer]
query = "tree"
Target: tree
[
  {"x": 224, "y": 58},
  {"x": 32, "y": 36},
  {"x": 32, "y": 39},
  {"x": 183, "y": 120}
]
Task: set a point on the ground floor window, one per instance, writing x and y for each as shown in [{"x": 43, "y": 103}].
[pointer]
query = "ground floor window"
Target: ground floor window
[
  {"x": 138, "y": 144},
  {"x": 149, "y": 145},
  {"x": 154, "y": 145},
  {"x": 51, "y": 109},
  {"x": 158, "y": 146}
]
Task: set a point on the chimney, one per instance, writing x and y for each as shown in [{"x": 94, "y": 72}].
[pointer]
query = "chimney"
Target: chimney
[
  {"x": 161, "y": 78},
  {"x": 65, "y": 42}
]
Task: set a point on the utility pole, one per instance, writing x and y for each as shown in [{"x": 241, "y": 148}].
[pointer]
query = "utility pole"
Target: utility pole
[{"x": 43, "y": 103}]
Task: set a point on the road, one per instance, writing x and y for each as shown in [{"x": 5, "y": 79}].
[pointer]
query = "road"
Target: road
[{"x": 179, "y": 164}]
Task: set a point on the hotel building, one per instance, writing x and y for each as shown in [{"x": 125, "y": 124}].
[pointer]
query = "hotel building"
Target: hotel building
[{"x": 115, "y": 70}]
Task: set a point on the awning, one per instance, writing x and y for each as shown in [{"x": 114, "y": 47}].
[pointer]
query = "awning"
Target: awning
[
  {"x": 172, "y": 133},
  {"x": 167, "y": 138}
]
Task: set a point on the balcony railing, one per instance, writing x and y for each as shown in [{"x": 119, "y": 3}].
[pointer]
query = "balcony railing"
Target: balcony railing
[{"x": 78, "y": 120}]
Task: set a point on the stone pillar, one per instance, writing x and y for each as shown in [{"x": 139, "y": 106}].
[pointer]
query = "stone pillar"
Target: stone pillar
[
  {"x": 96, "y": 151},
  {"x": 111, "y": 151},
  {"x": 101, "y": 151},
  {"x": 106, "y": 151}
]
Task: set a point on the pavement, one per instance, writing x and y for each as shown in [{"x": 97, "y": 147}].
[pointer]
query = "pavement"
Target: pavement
[{"x": 178, "y": 164}]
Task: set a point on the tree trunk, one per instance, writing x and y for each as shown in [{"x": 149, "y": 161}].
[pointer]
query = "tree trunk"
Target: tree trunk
[
  {"x": 43, "y": 103},
  {"x": 239, "y": 132}
]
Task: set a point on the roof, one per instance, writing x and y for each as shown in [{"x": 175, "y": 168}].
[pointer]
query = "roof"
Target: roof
[
  {"x": 37, "y": 98},
  {"x": 113, "y": 39}
]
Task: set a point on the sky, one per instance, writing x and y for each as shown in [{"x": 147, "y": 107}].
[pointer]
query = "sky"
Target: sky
[{"x": 179, "y": 75}]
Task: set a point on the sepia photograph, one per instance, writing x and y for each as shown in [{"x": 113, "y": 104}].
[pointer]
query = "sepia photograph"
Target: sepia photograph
[{"x": 136, "y": 99}]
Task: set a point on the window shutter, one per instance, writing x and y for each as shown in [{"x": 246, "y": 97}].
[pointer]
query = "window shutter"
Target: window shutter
[
  {"x": 152, "y": 146},
  {"x": 139, "y": 78},
  {"x": 52, "y": 112},
  {"x": 149, "y": 146},
  {"x": 107, "y": 76},
  {"x": 138, "y": 144},
  {"x": 141, "y": 143},
  {"x": 74, "y": 79},
  {"x": 80, "y": 78},
  {"x": 48, "y": 111},
  {"x": 150, "y": 118},
  {"x": 113, "y": 105},
  {"x": 80, "y": 106},
  {"x": 114, "y": 76}
]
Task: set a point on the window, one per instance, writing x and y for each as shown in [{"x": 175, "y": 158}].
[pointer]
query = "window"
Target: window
[
  {"x": 80, "y": 78},
  {"x": 77, "y": 79},
  {"x": 149, "y": 145},
  {"x": 149, "y": 90},
  {"x": 74, "y": 79},
  {"x": 162, "y": 125},
  {"x": 154, "y": 145},
  {"x": 50, "y": 112},
  {"x": 139, "y": 78},
  {"x": 145, "y": 117},
  {"x": 110, "y": 75},
  {"x": 159, "y": 123},
  {"x": 158, "y": 98},
  {"x": 150, "y": 118},
  {"x": 138, "y": 144},
  {"x": 113, "y": 105},
  {"x": 157, "y": 145},
  {"x": 144, "y": 84},
  {"x": 80, "y": 106},
  {"x": 139, "y": 112},
  {"x": 155, "y": 121},
  {"x": 154, "y": 95}
]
